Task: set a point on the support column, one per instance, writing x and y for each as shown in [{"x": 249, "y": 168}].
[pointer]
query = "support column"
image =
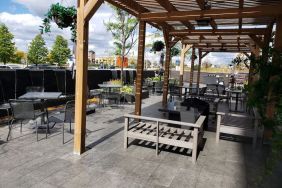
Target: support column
[
  {"x": 185, "y": 48},
  {"x": 199, "y": 70},
  {"x": 255, "y": 52},
  {"x": 167, "y": 64},
  {"x": 140, "y": 67},
  {"x": 192, "y": 70},
  {"x": 81, "y": 79},
  {"x": 271, "y": 107}
]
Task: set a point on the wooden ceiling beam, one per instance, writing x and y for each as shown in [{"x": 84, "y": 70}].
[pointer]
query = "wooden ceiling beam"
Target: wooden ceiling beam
[
  {"x": 227, "y": 50},
  {"x": 256, "y": 31},
  {"x": 170, "y": 8},
  {"x": 90, "y": 8},
  {"x": 257, "y": 41},
  {"x": 241, "y": 4},
  {"x": 219, "y": 46},
  {"x": 202, "y": 6},
  {"x": 235, "y": 41},
  {"x": 135, "y": 9},
  {"x": 205, "y": 54},
  {"x": 231, "y": 13}
]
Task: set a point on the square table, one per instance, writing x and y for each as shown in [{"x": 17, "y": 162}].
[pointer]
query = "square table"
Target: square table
[
  {"x": 174, "y": 108},
  {"x": 42, "y": 96}
]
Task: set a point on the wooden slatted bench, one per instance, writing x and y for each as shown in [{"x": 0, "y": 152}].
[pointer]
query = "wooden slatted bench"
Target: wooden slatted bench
[
  {"x": 156, "y": 130},
  {"x": 238, "y": 124}
]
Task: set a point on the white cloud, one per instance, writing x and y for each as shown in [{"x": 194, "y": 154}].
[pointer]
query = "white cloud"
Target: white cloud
[{"x": 25, "y": 26}]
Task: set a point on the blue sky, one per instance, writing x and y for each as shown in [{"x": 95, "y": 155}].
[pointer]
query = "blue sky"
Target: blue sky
[{"x": 23, "y": 17}]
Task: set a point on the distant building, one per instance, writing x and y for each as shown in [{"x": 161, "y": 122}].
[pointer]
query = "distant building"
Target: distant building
[{"x": 91, "y": 56}]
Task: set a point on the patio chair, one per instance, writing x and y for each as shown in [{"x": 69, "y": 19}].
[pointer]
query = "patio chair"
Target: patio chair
[
  {"x": 66, "y": 117},
  {"x": 4, "y": 106},
  {"x": 113, "y": 96},
  {"x": 159, "y": 87},
  {"x": 24, "y": 110},
  {"x": 34, "y": 89},
  {"x": 175, "y": 91}
]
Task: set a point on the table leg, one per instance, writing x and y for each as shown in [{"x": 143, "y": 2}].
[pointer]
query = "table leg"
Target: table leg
[{"x": 236, "y": 104}]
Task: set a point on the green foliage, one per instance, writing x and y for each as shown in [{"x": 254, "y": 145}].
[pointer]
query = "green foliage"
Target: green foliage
[
  {"x": 175, "y": 51},
  {"x": 123, "y": 28},
  {"x": 127, "y": 89},
  {"x": 63, "y": 16},
  {"x": 37, "y": 51},
  {"x": 268, "y": 90},
  {"x": 7, "y": 46},
  {"x": 60, "y": 51},
  {"x": 157, "y": 46},
  {"x": 240, "y": 60},
  {"x": 19, "y": 56}
]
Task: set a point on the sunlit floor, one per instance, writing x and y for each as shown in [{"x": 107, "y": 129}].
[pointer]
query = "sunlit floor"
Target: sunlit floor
[{"x": 48, "y": 163}]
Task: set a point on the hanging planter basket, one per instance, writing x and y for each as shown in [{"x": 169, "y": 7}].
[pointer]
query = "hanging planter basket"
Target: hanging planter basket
[
  {"x": 64, "y": 17},
  {"x": 158, "y": 46}
]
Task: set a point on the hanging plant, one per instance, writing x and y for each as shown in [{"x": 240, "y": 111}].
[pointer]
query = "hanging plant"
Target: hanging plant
[
  {"x": 64, "y": 17},
  {"x": 157, "y": 46}
]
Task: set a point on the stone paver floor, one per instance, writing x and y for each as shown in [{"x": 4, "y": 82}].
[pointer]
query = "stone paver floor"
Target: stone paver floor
[{"x": 49, "y": 164}]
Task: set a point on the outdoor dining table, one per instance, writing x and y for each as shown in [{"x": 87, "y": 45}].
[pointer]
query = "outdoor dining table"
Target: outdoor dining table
[
  {"x": 109, "y": 86},
  {"x": 42, "y": 96},
  {"x": 186, "y": 86},
  {"x": 237, "y": 92},
  {"x": 174, "y": 108}
]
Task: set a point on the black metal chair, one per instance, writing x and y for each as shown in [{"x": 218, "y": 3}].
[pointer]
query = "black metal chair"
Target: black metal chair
[
  {"x": 24, "y": 110},
  {"x": 159, "y": 87},
  {"x": 66, "y": 117}
]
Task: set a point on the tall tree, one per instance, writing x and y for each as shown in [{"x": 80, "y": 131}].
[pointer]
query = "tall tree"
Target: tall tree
[
  {"x": 123, "y": 28},
  {"x": 37, "y": 51},
  {"x": 7, "y": 46},
  {"x": 19, "y": 57},
  {"x": 60, "y": 51}
]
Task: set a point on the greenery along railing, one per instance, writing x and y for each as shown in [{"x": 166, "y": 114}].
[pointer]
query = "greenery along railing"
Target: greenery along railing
[{"x": 265, "y": 93}]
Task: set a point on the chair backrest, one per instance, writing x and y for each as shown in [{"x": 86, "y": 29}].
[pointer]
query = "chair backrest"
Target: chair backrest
[
  {"x": 69, "y": 112},
  {"x": 34, "y": 89},
  {"x": 22, "y": 109}
]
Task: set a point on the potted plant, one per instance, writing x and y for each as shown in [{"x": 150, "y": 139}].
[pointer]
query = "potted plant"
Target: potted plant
[
  {"x": 128, "y": 93},
  {"x": 64, "y": 17}
]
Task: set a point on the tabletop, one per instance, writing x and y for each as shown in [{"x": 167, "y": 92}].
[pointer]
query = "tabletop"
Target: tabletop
[
  {"x": 41, "y": 95},
  {"x": 233, "y": 90},
  {"x": 109, "y": 86}
]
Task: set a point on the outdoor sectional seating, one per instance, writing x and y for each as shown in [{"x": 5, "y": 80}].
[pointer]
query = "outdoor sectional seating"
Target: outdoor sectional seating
[{"x": 157, "y": 130}]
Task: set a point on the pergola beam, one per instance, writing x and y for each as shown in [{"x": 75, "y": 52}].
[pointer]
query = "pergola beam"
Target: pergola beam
[
  {"x": 241, "y": 4},
  {"x": 211, "y": 32},
  {"x": 202, "y": 6},
  {"x": 167, "y": 40},
  {"x": 205, "y": 54},
  {"x": 169, "y": 7},
  {"x": 140, "y": 67},
  {"x": 184, "y": 50},
  {"x": 90, "y": 8},
  {"x": 257, "y": 41},
  {"x": 229, "y": 13}
]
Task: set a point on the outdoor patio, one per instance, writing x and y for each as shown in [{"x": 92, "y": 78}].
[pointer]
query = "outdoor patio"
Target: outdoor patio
[{"x": 48, "y": 163}]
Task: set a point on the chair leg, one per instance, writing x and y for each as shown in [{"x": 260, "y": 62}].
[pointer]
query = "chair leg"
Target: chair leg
[
  {"x": 47, "y": 128},
  {"x": 21, "y": 130},
  {"x": 10, "y": 129},
  {"x": 70, "y": 127},
  {"x": 36, "y": 130},
  {"x": 63, "y": 130}
]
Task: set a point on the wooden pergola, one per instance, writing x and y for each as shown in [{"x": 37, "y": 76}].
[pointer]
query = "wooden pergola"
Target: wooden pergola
[{"x": 208, "y": 25}]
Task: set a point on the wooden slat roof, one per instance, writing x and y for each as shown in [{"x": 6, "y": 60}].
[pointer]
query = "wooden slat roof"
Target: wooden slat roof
[{"x": 233, "y": 20}]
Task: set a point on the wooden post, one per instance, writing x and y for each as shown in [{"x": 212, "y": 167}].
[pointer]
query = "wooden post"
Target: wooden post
[
  {"x": 271, "y": 107},
  {"x": 185, "y": 48},
  {"x": 166, "y": 72},
  {"x": 81, "y": 79},
  {"x": 255, "y": 52},
  {"x": 199, "y": 70},
  {"x": 140, "y": 67},
  {"x": 85, "y": 10},
  {"x": 192, "y": 70}
]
